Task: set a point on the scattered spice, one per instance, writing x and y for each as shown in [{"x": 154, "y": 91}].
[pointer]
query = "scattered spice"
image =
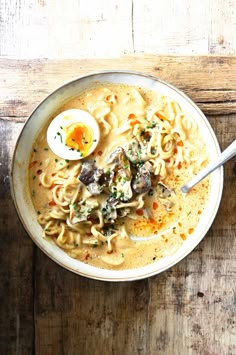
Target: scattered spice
[
  {"x": 52, "y": 203},
  {"x": 131, "y": 116},
  {"x": 139, "y": 212},
  {"x": 154, "y": 205},
  {"x": 33, "y": 163},
  {"x": 180, "y": 144},
  {"x": 179, "y": 166}
]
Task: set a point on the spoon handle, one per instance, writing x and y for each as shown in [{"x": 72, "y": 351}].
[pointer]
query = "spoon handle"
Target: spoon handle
[{"x": 227, "y": 154}]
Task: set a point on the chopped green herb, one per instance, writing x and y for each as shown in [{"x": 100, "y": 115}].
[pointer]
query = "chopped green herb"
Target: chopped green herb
[
  {"x": 35, "y": 150},
  {"x": 61, "y": 127},
  {"x": 56, "y": 160},
  {"x": 67, "y": 160},
  {"x": 150, "y": 192},
  {"x": 41, "y": 163},
  {"x": 46, "y": 230},
  {"x": 38, "y": 212},
  {"x": 59, "y": 134},
  {"x": 188, "y": 213},
  {"x": 45, "y": 148},
  {"x": 122, "y": 254},
  {"x": 153, "y": 124},
  {"x": 154, "y": 258},
  {"x": 76, "y": 245},
  {"x": 34, "y": 177},
  {"x": 33, "y": 193}
]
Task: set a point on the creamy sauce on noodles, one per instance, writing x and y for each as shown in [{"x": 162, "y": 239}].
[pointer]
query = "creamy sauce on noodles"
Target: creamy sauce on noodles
[{"x": 161, "y": 219}]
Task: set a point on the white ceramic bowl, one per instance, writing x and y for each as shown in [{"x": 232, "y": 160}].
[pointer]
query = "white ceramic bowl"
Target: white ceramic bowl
[{"x": 39, "y": 118}]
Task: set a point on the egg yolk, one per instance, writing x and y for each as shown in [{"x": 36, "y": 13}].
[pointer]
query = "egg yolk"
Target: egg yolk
[{"x": 79, "y": 137}]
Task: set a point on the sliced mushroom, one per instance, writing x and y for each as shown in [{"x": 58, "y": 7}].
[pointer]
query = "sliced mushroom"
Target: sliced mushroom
[
  {"x": 116, "y": 156},
  {"x": 84, "y": 210},
  {"x": 163, "y": 190},
  {"x": 95, "y": 179},
  {"x": 109, "y": 210},
  {"x": 135, "y": 152},
  {"x": 120, "y": 182},
  {"x": 142, "y": 180},
  {"x": 87, "y": 172}
]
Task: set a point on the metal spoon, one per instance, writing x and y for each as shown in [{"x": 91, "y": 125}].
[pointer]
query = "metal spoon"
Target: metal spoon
[{"x": 227, "y": 154}]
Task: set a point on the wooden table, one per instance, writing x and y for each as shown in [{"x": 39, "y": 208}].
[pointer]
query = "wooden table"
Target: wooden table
[{"x": 189, "y": 309}]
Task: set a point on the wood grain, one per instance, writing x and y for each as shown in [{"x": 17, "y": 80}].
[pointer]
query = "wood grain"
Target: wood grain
[
  {"x": 16, "y": 261},
  {"x": 190, "y": 309},
  {"x": 209, "y": 80},
  {"x": 88, "y": 29}
]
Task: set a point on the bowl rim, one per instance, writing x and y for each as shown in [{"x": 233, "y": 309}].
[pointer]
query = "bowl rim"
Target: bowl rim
[{"x": 173, "y": 262}]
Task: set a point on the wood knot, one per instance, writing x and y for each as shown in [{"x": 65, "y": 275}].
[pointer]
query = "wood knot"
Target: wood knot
[{"x": 200, "y": 294}]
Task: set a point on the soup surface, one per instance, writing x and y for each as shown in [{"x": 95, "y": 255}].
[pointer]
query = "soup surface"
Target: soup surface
[{"x": 122, "y": 207}]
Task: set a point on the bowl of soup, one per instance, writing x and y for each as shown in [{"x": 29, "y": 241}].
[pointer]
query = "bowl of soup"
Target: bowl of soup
[{"x": 97, "y": 172}]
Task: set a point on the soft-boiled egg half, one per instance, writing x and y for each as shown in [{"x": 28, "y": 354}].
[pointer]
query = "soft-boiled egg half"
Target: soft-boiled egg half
[{"x": 73, "y": 134}]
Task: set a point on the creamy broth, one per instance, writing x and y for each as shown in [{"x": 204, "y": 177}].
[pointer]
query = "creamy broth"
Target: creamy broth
[{"x": 151, "y": 224}]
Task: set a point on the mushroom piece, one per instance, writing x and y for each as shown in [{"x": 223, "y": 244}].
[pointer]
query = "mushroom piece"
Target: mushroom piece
[
  {"x": 142, "y": 180},
  {"x": 95, "y": 179},
  {"x": 163, "y": 190},
  {"x": 120, "y": 182},
  {"x": 116, "y": 156},
  {"x": 135, "y": 153},
  {"x": 83, "y": 210},
  {"x": 87, "y": 172},
  {"x": 109, "y": 210}
]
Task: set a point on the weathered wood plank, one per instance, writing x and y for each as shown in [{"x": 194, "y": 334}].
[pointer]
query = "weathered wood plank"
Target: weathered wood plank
[
  {"x": 16, "y": 261},
  {"x": 75, "y": 315},
  {"x": 82, "y": 28},
  {"x": 192, "y": 28},
  {"x": 30, "y": 29},
  {"x": 209, "y": 80}
]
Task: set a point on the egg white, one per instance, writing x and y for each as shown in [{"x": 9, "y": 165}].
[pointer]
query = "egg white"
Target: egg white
[{"x": 56, "y": 136}]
